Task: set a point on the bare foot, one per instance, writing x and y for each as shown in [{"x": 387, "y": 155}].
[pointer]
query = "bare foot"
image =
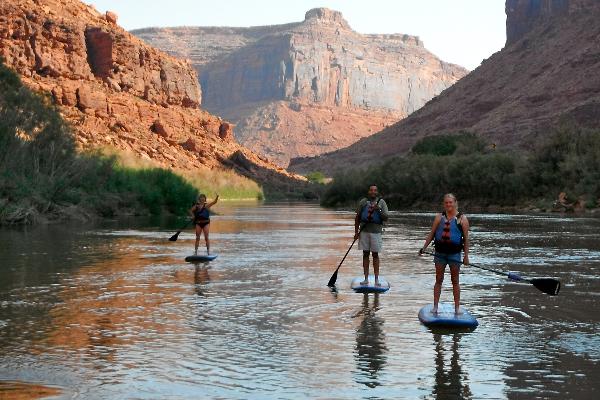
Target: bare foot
[
  {"x": 434, "y": 310},
  {"x": 457, "y": 311},
  {"x": 377, "y": 283},
  {"x": 365, "y": 282}
]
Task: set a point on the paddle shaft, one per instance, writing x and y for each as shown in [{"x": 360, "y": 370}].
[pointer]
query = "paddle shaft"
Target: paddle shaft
[
  {"x": 346, "y": 255},
  {"x": 334, "y": 276},
  {"x": 472, "y": 265},
  {"x": 174, "y": 237}
]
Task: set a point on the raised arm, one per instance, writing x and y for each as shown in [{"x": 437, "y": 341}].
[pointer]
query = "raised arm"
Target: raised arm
[
  {"x": 431, "y": 234},
  {"x": 212, "y": 203}
]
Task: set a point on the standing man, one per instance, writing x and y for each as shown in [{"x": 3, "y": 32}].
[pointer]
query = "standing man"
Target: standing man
[{"x": 368, "y": 225}]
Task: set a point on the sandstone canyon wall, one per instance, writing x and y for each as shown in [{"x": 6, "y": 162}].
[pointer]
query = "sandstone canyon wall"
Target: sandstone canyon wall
[
  {"x": 549, "y": 71},
  {"x": 308, "y": 87},
  {"x": 117, "y": 91}
]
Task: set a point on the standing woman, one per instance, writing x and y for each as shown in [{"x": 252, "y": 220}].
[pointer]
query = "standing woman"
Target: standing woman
[
  {"x": 201, "y": 217},
  {"x": 450, "y": 233}
]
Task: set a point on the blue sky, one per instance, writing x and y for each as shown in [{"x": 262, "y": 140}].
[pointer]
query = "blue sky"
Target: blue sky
[{"x": 460, "y": 31}]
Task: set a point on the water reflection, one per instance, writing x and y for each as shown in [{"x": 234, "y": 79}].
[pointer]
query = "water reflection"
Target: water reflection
[
  {"x": 370, "y": 342},
  {"x": 116, "y": 313},
  {"x": 201, "y": 277},
  {"x": 450, "y": 380}
]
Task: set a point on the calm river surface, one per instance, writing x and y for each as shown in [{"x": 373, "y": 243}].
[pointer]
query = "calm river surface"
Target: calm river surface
[{"x": 113, "y": 311}]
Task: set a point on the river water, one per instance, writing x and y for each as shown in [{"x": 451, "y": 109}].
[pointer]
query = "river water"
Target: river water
[{"x": 113, "y": 311}]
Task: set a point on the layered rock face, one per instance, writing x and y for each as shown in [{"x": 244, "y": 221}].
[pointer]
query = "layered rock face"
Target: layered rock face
[
  {"x": 549, "y": 72},
  {"x": 309, "y": 87},
  {"x": 117, "y": 91}
]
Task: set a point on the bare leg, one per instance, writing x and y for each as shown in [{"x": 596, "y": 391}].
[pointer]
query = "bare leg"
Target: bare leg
[
  {"x": 205, "y": 230},
  {"x": 437, "y": 288},
  {"x": 366, "y": 266},
  {"x": 454, "y": 275},
  {"x": 198, "y": 232},
  {"x": 376, "y": 267}
]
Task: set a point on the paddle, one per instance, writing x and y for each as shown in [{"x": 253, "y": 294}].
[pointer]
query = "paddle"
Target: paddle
[
  {"x": 333, "y": 278},
  {"x": 547, "y": 285},
  {"x": 176, "y": 235}
]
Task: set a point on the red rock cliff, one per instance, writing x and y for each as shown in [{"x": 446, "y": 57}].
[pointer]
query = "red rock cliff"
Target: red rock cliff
[
  {"x": 116, "y": 90},
  {"x": 308, "y": 87},
  {"x": 523, "y": 15},
  {"x": 551, "y": 73}
]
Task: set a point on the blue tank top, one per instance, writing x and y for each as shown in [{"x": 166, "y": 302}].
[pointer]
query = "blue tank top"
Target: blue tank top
[
  {"x": 449, "y": 235},
  {"x": 370, "y": 214}
]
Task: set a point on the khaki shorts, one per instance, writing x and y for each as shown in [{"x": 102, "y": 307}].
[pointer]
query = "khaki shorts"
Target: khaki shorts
[{"x": 370, "y": 242}]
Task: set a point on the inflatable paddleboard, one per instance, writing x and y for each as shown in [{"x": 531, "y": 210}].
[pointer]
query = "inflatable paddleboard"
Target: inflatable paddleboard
[
  {"x": 446, "y": 318},
  {"x": 370, "y": 287},
  {"x": 200, "y": 258}
]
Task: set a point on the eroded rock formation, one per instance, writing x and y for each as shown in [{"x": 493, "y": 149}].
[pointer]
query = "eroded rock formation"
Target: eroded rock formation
[
  {"x": 117, "y": 91},
  {"x": 309, "y": 87},
  {"x": 548, "y": 72}
]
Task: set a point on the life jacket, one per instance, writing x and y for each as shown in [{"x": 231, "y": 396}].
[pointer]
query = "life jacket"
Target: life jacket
[
  {"x": 201, "y": 214},
  {"x": 370, "y": 214},
  {"x": 449, "y": 237}
]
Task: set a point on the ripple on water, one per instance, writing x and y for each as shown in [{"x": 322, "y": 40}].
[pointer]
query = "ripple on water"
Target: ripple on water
[{"x": 131, "y": 318}]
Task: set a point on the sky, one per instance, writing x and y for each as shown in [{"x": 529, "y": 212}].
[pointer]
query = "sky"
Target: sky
[{"x": 463, "y": 32}]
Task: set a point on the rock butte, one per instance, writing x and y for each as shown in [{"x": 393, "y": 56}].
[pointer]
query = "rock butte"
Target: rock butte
[
  {"x": 117, "y": 91},
  {"x": 308, "y": 87},
  {"x": 549, "y": 71}
]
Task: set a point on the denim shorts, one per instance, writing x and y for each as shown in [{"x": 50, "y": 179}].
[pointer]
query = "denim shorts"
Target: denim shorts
[{"x": 448, "y": 259}]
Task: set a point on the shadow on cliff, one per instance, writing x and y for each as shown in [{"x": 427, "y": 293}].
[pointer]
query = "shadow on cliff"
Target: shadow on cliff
[{"x": 275, "y": 184}]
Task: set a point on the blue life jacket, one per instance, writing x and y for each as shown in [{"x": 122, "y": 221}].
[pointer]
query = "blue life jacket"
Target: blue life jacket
[
  {"x": 370, "y": 214},
  {"x": 449, "y": 238},
  {"x": 201, "y": 214}
]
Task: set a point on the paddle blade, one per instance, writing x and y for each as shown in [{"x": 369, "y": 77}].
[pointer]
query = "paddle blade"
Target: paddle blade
[
  {"x": 333, "y": 278},
  {"x": 174, "y": 237},
  {"x": 547, "y": 285}
]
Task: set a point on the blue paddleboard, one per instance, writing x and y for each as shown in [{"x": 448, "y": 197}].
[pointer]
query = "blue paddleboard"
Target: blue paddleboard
[
  {"x": 370, "y": 287},
  {"x": 446, "y": 318},
  {"x": 200, "y": 258}
]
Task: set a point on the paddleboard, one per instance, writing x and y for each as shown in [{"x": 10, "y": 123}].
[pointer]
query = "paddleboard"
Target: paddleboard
[
  {"x": 446, "y": 318},
  {"x": 201, "y": 258},
  {"x": 370, "y": 287}
]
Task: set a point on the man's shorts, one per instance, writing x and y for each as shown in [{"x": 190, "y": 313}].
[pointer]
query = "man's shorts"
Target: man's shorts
[
  {"x": 370, "y": 242},
  {"x": 448, "y": 259}
]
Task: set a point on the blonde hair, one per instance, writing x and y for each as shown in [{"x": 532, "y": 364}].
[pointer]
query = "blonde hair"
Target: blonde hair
[{"x": 453, "y": 197}]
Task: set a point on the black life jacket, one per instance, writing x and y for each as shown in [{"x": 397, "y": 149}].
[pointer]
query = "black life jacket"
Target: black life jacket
[
  {"x": 449, "y": 235},
  {"x": 201, "y": 214}
]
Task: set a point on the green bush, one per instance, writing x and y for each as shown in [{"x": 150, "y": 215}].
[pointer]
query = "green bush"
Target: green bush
[
  {"x": 316, "y": 177},
  {"x": 568, "y": 161},
  {"x": 42, "y": 174},
  {"x": 445, "y": 145}
]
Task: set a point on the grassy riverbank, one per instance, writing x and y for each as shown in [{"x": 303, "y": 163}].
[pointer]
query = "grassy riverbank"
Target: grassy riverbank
[
  {"x": 43, "y": 177},
  {"x": 482, "y": 175}
]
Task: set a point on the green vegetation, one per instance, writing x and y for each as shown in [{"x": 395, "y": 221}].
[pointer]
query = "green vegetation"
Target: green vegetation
[
  {"x": 316, "y": 177},
  {"x": 227, "y": 184},
  {"x": 445, "y": 145},
  {"x": 569, "y": 161},
  {"x": 43, "y": 177}
]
